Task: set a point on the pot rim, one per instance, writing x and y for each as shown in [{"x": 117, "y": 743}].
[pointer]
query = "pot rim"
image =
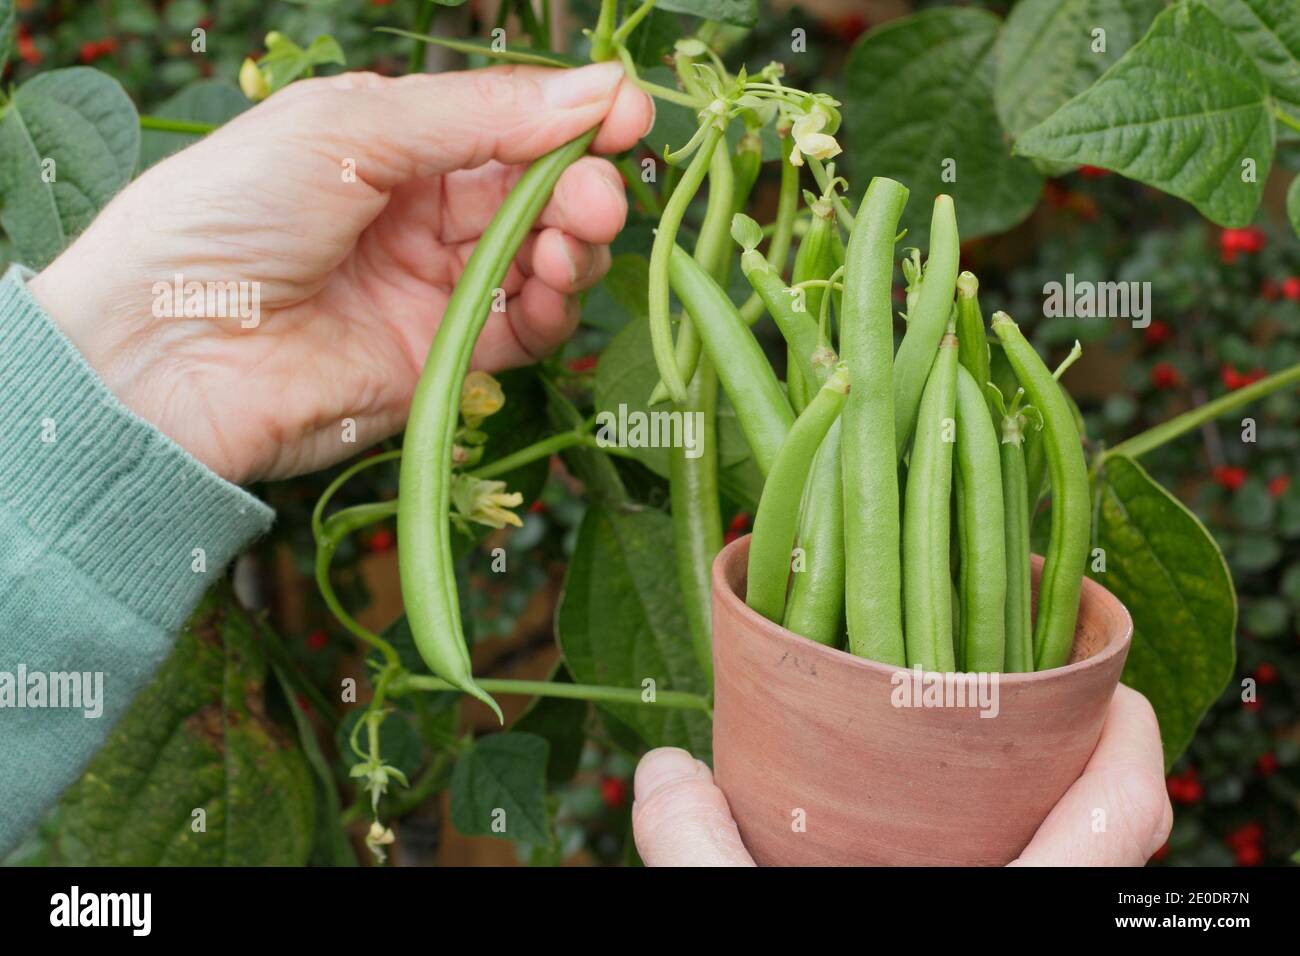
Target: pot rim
[{"x": 738, "y": 550}]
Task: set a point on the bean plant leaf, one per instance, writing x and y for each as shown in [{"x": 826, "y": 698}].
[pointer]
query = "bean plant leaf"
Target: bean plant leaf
[
  {"x": 197, "y": 738},
  {"x": 1293, "y": 204},
  {"x": 69, "y": 140},
  {"x": 1269, "y": 30},
  {"x": 6, "y": 31},
  {"x": 743, "y": 13},
  {"x": 1185, "y": 110},
  {"x": 560, "y": 723},
  {"x": 625, "y": 377},
  {"x": 621, "y": 571},
  {"x": 1049, "y": 52},
  {"x": 1167, "y": 570},
  {"x": 919, "y": 109},
  {"x": 203, "y": 101},
  {"x": 498, "y": 789}
]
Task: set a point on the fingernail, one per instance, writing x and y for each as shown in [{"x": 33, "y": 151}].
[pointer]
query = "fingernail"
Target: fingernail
[
  {"x": 572, "y": 264},
  {"x": 662, "y": 767},
  {"x": 654, "y": 111},
  {"x": 568, "y": 88}
]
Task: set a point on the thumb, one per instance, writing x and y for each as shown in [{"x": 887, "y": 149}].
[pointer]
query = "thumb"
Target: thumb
[
  {"x": 424, "y": 125},
  {"x": 680, "y": 817}
]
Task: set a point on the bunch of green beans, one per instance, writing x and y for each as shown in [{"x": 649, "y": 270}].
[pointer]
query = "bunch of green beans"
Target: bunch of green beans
[{"x": 895, "y": 520}]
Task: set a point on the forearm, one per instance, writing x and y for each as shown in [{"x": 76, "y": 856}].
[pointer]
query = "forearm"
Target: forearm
[{"x": 109, "y": 535}]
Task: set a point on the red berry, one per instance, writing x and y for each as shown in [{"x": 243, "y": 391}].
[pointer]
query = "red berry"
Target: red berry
[
  {"x": 1244, "y": 835},
  {"x": 1093, "y": 172},
  {"x": 317, "y": 641},
  {"x": 1266, "y": 765},
  {"x": 1266, "y": 673},
  {"x": 583, "y": 363},
  {"x": 1249, "y": 856},
  {"x": 1277, "y": 487},
  {"x": 1231, "y": 378},
  {"x": 1157, "y": 333},
  {"x": 1233, "y": 241},
  {"x": 1253, "y": 376},
  {"x": 1165, "y": 376},
  {"x": 1251, "y": 705},
  {"x": 537, "y": 507},
  {"x": 88, "y": 51},
  {"x": 28, "y": 51},
  {"x": 740, "y": 522},
  {"x": 1184, "y": 787},
  {"x": 381, "y": 540},
  {"x": 1291, "y": 288},
  {"x": 613, "y": 792},
  {"x": 1230, "y": 477},
  {"x": 1056, "y": 195},
  {"x": 108, "y": 46}
]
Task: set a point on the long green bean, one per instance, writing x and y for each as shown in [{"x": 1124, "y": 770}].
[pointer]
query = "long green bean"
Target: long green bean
[
  {"x": 872, "y": 572},
  {"x": 777, "y": 518}
]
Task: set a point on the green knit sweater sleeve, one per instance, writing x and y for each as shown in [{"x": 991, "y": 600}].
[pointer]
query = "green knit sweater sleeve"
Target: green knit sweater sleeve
[{"x": 109, "y": 535}]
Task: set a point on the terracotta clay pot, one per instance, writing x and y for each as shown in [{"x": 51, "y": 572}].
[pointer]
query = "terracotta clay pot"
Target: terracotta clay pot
[{"x": 825, "y": 761}]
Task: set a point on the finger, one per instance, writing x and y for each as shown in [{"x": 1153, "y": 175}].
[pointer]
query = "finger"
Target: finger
[
  {"x": 679, "y": 817},
  {"x": 565, "y": 264},
  {"x": 630, "y": 118},
  {"x": 425, "y": 125},
  {"x": 535, "y": 324},
  {"x": 1117, "y": 813},
  {"x": 588, "y": 201}
]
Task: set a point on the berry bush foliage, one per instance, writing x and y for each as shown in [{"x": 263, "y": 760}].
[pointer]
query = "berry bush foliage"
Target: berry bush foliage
[{"x": 1225, "y": 311}]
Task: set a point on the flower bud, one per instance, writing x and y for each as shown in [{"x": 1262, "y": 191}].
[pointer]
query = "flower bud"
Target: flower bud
[{"x": 252, "y": 81}]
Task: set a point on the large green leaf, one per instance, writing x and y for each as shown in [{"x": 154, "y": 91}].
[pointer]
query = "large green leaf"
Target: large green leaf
[
  {"x": 203, "y": 101},
  {"x": 69, "y": 140},
  {"x": 627, "y": 374},
  {"x": 1269, "y": 30},
  {"x": 621, "y": 622},
  {"x": 1045, "y": 54},
  {"x": 197, "y": 738},
  {"x": 1165, "y": 567},
  {"x": 499, "y": 789},
  {"x": 743, "y": 13},
  {"x": 1180, "y": 111},
  {"x": 919, "y": 103}
]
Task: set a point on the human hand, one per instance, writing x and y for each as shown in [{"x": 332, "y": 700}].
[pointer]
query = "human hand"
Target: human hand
[
  {"x": 681, "y": 818},
  {"x": 353, "y": 272}
]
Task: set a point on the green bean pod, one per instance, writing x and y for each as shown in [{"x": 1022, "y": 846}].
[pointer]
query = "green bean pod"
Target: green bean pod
[
  {"x": 972, "y": 340},
  {"x": 927, "y": 577},
  {"x": 661, "y": 325},
  {"x": 761, "y": 407},
  {"x": 813, "y": 260},
  {"x": 926, "y": 321},
  {"x": 746, "y": 162},
  {"x": 777, "y": 518},
  {"x": 696, "y": 511},
  {"x": 423, "y": 529},
  {"x": 799, "y": 329},
  {"x": 981, "y": 531},
  {"x": 1067, "y": 552},
  {"x": 815, "y": 607},
  {"x": 712, "y": 251},
  {"x": 1015, "y": 509},
  {"x": 872, "y": 572}
]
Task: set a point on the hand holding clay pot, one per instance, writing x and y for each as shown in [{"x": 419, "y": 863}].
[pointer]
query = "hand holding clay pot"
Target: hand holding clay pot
[{"x": 681, "y": 818}]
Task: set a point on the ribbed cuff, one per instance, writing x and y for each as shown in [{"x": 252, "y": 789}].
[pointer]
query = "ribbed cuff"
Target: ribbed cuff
[{"x": 108, "y": 491}]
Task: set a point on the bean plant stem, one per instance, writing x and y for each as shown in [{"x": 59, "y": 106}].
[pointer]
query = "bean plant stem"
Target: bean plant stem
[
  {"x": 164, "y": 125},
  {"x": 423, "y": 21},
  {"x": 1153, "y": 438},
  {"x": 673, "y": 699}
]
